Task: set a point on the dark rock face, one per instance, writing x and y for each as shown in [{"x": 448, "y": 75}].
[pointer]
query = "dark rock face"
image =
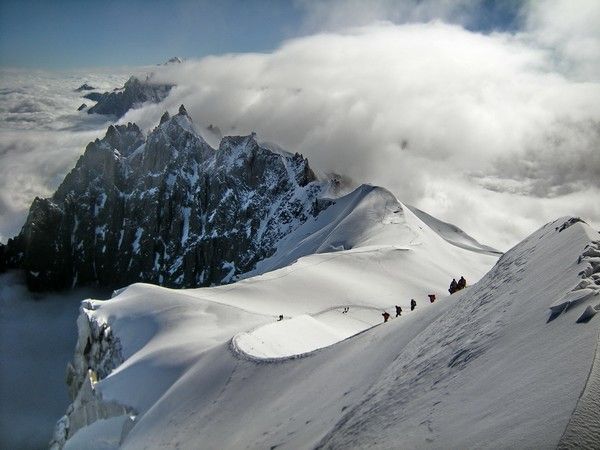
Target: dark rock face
[
  {"x": 2, "y": 258},
  {"x": 135, "y": 92},
  {"x": 94, "y": 96},
  {"x": 173, "y": 60},
  {"x": 168, "y": 209},
  {"x": 82, "y": 106},
  {"x": 85, "y": 87}
]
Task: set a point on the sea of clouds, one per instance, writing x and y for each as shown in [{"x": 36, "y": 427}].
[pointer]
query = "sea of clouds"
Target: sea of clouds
[
  {"x": 42, "y": 134},
  {"x": 496, "y": 132}
]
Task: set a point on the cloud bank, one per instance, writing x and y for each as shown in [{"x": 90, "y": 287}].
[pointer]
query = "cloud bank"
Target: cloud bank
[
  {"x": 494, "y": 131},
  {"x": 42, "y": 134}
]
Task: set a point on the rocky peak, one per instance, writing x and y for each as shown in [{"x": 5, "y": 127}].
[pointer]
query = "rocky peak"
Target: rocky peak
[
  {"x": 165, "y": 117},
  {"x": 85, "y": 87},
  {"x": 173, "y": 60},
  {"x": 168, "y": 209},
  {"x": 134, "y": 93},
  {"x": 124, "y": 138}
]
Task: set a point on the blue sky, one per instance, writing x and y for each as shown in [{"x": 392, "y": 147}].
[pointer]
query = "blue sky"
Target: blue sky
[
  {"x": 65, "y": 34},
  {"x": 501, "y": 128},
  {"x": 69, "y": 34}
]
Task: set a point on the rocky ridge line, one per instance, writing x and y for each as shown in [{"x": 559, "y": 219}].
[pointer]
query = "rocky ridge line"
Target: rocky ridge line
[{"x": 167, "y": 209}]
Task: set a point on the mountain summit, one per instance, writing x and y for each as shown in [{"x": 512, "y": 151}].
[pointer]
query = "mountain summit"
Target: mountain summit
[
  {"x": 167, "y": 209},
  {"x": 133, "y": 93}
]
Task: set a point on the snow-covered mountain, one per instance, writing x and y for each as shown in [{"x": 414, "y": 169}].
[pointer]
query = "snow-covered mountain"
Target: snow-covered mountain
[
  {"x": 134, "y": 93},
  {"x": 166, "y": 209},
  {"x": 295, "y": 354},
  {"x": 173, "y": 60},
  {"x": 508, "y": 362},
  {"x": 171, "y": 210}
]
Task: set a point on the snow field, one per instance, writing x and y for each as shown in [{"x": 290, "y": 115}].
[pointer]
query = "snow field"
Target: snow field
[
  {"x": 483, "y": 368},
  {"x": 393, "y": 257},
  {"x": 302, "y": 334}
]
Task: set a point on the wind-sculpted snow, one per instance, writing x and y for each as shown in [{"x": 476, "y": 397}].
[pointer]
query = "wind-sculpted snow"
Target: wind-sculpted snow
[
  {"x": 587, "y": 290},
  {"x": 452, "y": 233}
]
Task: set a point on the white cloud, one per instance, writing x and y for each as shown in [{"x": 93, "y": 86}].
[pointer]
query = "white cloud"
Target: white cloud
[
  {"x": 335, "y": 15},
  {"x": 413, "y": 107},
  {"x": 570, "y": 30},
  {"x": 497, "y": 133},
  {"x": 42, "y": 135}
]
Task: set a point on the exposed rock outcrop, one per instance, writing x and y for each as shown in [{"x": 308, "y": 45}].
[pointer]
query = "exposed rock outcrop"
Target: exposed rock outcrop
[
  {"x": 134, "y": 93},
  {"x": 94, "y": 96},
  {"x": 168, "y": 209},
  {"x": 85, "y": 87},
  {"x": 2, "y": 257},
  {"x": 173, "y": 60},
  {"x": 97, "y": 353}
]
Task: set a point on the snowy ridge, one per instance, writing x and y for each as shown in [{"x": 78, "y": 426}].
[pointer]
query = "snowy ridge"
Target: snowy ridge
[
  {"x": 504, "y": 311},
  {"x": 258, "y": 300},
  {"x": 452, "y": 233},
  {"x": 464, "y": 371},
  {"x": 583, "y": 430},
  {"x": 369, "y": 216}
]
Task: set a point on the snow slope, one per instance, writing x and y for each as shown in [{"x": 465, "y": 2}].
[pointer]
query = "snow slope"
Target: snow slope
[
  {"x": 367, "y": 217},
  {"x": 393, "y": 257},
  {"x": 452, "y": 233},
  {"x": 211, "y": 368}
]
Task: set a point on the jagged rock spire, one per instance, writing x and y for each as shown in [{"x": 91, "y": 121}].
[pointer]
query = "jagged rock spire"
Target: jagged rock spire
[
  {"x": 167, "y": 209},
  {"x": 165, "y": 117}
]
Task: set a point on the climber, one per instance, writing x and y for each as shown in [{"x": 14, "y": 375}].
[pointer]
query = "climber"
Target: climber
[
  {"x": 386, "y": 316},
  {"x": 92, "y": 376},
  {"x": 453, "y": 286},
  {"x": 280, "y": 318},
  {"x": 413, "y": 304},
  {"x": 462, "y": 283},
  {"x": 398, "y": 311},
  {"x": 431, "y": 297}
]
